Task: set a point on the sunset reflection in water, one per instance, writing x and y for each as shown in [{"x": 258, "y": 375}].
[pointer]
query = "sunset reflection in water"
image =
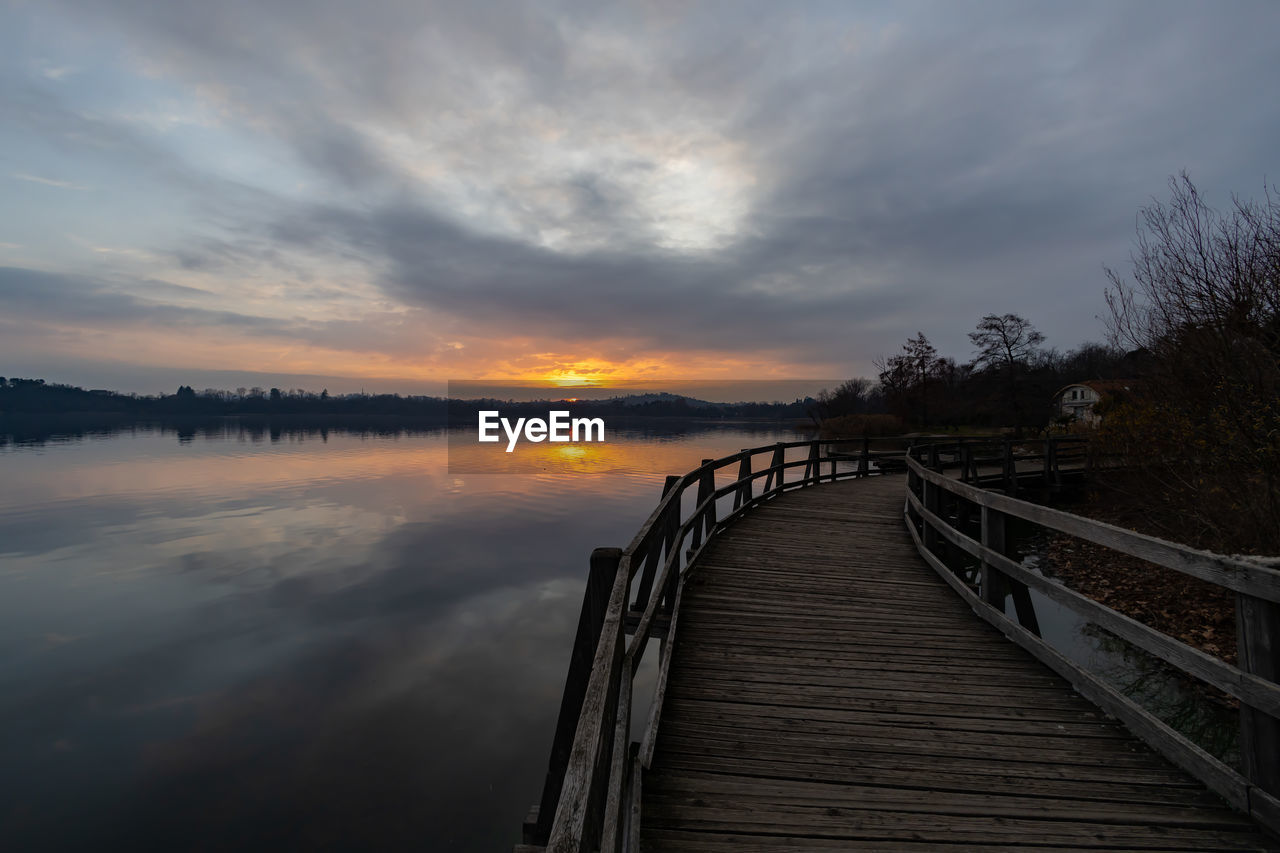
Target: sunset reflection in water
[{"x": 322, "y": 639}]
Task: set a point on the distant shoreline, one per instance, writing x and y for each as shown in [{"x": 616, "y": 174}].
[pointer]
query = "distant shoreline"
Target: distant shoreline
[{"x": 39, "y": 428}]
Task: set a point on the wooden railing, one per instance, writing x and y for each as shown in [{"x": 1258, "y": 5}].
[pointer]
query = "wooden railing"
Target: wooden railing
[
  {"x": 590, "y": 799},
  {"x": 947, "y": 509}
]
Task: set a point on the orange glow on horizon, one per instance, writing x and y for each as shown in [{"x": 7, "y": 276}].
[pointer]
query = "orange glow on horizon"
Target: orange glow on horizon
[
  {"x": 590, "y": 364},
  {"x": 561, "y": 378}
]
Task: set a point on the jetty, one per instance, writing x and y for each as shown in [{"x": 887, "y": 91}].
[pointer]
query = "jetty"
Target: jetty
[{"x": 849, "y": 658}]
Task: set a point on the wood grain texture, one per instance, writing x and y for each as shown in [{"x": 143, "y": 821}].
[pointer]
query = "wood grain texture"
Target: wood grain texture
[{"x": 827, "y": 690}]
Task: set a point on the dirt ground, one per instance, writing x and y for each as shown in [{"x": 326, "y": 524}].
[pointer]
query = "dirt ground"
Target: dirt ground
[{"x": 1199, "y": 614}]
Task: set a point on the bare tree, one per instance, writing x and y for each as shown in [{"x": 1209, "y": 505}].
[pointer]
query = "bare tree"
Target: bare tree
[
  {"x": 905, "y": 377},
  {"x": 1204, "y": 305},
  {"x": 1006, "y": 343}
]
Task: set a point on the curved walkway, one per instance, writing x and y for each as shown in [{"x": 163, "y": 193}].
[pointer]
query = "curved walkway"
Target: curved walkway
[{"x": 829, "y": 691}]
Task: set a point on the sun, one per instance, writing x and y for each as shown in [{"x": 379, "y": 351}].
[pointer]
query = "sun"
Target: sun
[{"x": 563, "y": 378}]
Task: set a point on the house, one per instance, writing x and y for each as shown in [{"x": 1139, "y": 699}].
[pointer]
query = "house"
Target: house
[{"x": 1076, "y": 401}]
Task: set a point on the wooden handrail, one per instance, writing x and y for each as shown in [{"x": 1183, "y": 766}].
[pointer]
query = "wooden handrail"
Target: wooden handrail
[{"x": 1256, "y": 584}]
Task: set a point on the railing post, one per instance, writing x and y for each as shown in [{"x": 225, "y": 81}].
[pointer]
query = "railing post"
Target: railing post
[
  {"x": 708, "y": 485},
  {"x": 812, "y": 469},
  {"x": 1010, "y": 469},
  {"x": 1258, "y": 635},
  {"x": 964, "y": 514},
  {"x": 994, "y": 582},
  {"x": 595, "y": 604},
  {"x": 912, "y": 479},
  {"x": 992, "y": 579},
  {"x": 742, "y": 496},
  {"x": 775, "y": 478},
  {"x": 864, "y": 464},
  {"x": 671, "y": 531},
  {"x": 931, "y": 503},
  {"x": 653, "y": 558},
  {"x": 704, "y": 518}
]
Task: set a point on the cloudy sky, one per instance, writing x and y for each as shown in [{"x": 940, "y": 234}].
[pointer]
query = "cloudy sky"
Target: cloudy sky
[{"x": 280, "y": 191}]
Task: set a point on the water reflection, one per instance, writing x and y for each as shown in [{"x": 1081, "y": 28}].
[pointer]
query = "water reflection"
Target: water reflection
[
  {"x": 303, "y": 639},
  {"x": 1170, "y": 695}
]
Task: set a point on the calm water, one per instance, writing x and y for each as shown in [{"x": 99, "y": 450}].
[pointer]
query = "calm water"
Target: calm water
[{"x": 238, "y": 639}]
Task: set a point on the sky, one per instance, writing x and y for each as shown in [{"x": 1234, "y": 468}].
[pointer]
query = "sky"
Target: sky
[{"x": 389, "y": 195}]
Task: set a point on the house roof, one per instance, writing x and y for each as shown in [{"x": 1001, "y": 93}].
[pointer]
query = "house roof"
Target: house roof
[{"x": 1102, "y": 386}]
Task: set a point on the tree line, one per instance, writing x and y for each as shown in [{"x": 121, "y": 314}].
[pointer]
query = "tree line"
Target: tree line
[
  {"x": 1193, "y": 446},
  {"x": 1009, "y": 381},
  {"x": 36, "y": 396}
]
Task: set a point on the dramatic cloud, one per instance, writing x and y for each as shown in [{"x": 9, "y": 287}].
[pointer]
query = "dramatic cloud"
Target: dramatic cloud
[{"x": 413, "y": 189}]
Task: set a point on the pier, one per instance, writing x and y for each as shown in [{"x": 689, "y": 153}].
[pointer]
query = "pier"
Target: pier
[{"x": 828, "y": 678}]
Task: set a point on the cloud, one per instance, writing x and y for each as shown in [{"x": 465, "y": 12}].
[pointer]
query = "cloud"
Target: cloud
[
  {"x": 58, "y": 72},
  {"x": 59, "y": 312},
  {"x": 48, "y": 182},
  {"x": 57, "y": 298},
  {"x": 809, "y": 183}
]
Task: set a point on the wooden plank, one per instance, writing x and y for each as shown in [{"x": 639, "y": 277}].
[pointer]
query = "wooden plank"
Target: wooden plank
[
  {"x": 934, "y": 773},
  {"x": 756, "y": 793},
  {"x": 871, "y": 695},
  {"x": 865, "y": 646},
  {"x": 820, "y": 664},
  {"x": 750, "y": 715},
  {"x": 1030, "y": 683},
  {"x": 941, "y": 829},
  {"x": 947, "y": 775},
  {"x": 707, "y": 739},
  {"x": 736, "y": 842}
]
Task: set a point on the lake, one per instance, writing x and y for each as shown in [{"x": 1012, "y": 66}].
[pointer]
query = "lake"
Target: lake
[{"x": 234, "y": 636}]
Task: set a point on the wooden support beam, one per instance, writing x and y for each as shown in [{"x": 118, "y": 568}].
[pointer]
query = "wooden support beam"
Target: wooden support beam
[
  {"x": 1258, "y": 634},
  {"x": 743, "y": 495},
  {"x": 777, "y": 477},
  {"x": 654, "y": 556},
  {"x": 931, "y": 503},
  {"x": 595, "y": 605},
  {"x": 672, "y": 536},
  {"x": 579, "y": 814},
  {"x": 991, "y": 580}
]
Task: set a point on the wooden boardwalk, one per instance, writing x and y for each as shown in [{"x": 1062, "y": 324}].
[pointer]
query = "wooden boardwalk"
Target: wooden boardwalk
[{"x": 803, "y": 711}]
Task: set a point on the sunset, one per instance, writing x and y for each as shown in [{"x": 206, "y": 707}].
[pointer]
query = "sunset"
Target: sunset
[
  {"x": 644, "y": 426},
  {"x": 232, "y": 193}
]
